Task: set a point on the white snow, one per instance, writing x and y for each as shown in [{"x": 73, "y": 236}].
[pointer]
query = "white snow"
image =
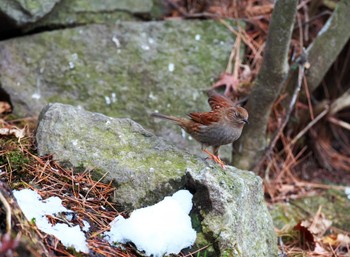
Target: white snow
[
  {"x": 35, "y": 209},
  {"x": 163, "y": 228}
]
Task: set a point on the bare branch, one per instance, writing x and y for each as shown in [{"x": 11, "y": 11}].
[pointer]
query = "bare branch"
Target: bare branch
[
  {"x": 328, "y": 44},
  {"x": 341, "y": 102}
]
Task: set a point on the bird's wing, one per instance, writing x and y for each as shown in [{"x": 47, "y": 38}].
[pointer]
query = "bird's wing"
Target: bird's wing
[
  {"x": 205, "y": 118},
  {"x": 217, "y": 101}
]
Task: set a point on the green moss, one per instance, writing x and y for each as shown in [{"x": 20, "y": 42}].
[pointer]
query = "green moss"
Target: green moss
[
  {"x": 12, "y": 154},
  {"x": 17, "y": 159}
]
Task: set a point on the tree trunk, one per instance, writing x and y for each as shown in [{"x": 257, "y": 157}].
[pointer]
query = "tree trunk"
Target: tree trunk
[{"x": 267, "y": 86}]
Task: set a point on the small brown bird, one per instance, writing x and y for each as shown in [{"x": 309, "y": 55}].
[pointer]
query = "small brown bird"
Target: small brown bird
[{"x": 221, "y": 126}]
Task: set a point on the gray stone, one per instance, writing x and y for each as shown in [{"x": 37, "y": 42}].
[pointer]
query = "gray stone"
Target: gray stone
[
  {"x": 70, "y": 13},
  {"x": 22, "y": 12},
  {"x": 34, "y": 14},
  {"x": 233, "y": 210},
  {"x": 228, "y": 203}
]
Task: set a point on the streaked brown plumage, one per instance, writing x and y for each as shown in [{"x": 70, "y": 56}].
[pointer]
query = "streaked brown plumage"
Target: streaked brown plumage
[{"x": 221, "y": 126}]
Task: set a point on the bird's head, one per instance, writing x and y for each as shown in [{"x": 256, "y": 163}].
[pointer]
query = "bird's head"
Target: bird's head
[{"x": 240, "y": 115}]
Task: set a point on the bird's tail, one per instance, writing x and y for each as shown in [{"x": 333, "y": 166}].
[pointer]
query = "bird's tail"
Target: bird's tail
[{"x": 166, "y": 117}]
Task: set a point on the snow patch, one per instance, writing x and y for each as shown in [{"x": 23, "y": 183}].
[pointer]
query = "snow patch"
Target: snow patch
[
  {"x": 163, "y": 228},
  {"x": 35, "y": 209}
]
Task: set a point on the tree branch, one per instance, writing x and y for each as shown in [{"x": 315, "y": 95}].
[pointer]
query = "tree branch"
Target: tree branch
[{"x": 330, "y": 41}]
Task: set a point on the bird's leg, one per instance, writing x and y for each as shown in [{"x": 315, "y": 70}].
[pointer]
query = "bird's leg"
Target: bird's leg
[{"x": 215, "y": 156}]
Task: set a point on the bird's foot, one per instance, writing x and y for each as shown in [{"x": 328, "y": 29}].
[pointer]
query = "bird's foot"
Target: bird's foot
[{"x": 215, "y": 158}]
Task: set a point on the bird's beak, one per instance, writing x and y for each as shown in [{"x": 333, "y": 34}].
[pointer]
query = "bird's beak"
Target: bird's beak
[{"x": 245, "y": 121}]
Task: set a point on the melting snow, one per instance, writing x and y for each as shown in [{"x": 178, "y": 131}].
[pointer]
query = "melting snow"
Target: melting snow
[
  {"x": 35, "y": 209},
  {"x": 163, "y": 228}
]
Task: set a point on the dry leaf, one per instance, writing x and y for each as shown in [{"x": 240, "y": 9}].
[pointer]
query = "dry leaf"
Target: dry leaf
[
  {"x": 330, "y": 240},
  {"x": 19, "y": 133},
  {"x": 5, "y": 107},
  {"x": 320, "y": 225},
  {"x": 228, "y": 81},
  {"x": 343, "y": 240},
  {"x": 320, "y": 250}
]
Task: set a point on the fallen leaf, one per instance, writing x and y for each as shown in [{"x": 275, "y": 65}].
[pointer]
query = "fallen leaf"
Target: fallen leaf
[
  {"x": 5, "y": 107},
  {"x": 343, "y": 240},
  {"x": 330, "y": 240},
  {"x": 229, "y": 81},
  {"x": 320, "y": 250},
  {"x": 320, "y": 225},
  {"x": 19, "y": 133}
]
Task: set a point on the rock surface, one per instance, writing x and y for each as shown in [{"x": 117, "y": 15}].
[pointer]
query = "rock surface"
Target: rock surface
[
  {"x": 229, "y": 203},
  {"x": 70, "y": 13},
  {"x": 22, "y": 12},
  {"x": 118, "y": 70},
  {"x": 27, "y": 15}
]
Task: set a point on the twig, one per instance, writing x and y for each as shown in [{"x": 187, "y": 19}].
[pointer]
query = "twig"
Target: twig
[
  {"x": 340, "y": 103},
  {"x": 340, "y": 123},
  {"x": 237, "y": 33},
  {"x": 283, "y": 254},
  {"x": 309, "y": 99},
  {"x": 94, "y": 185},
  {"x": 310, "y": 125},
  {"x": 197, "y": 251},
  {"x": 320, "y": 186},
  {"x": 237, "y": 57},
  {"x": 229, "y": 64}
]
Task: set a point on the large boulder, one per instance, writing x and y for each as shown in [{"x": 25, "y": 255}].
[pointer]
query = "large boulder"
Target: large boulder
[{"x": 228, "y": 203}]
